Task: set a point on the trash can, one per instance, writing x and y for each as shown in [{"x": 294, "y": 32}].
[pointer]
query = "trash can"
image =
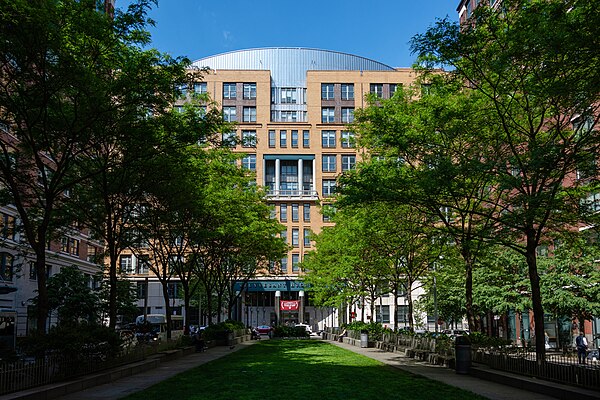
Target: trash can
[
  {"x": 230, "y": 339},
  {"x": 364, "y": 339},
  {"x": 462, "y": 347}
]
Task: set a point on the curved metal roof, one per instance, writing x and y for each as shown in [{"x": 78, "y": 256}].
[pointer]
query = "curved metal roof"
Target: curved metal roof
[{"x": 288, "y": 65}]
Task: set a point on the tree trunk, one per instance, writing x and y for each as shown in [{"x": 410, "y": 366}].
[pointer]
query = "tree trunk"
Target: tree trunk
[
  {"x": 165, "y": 291},
  {"x": 112, "y": 294},
  {"x": 410, "y": 304},
  {"x": 42, "y": 298},
  {"x": 471, "y": 318},
  {"x": 536, "y": 299}
]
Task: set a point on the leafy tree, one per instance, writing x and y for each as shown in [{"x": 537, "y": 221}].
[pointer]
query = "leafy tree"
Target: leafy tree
[
  {"x": 425, "y": 155},
  {"x": 70, "y": 295},
  {"x": 69, "y": 75},
  {"x": 536, "y": 65}
]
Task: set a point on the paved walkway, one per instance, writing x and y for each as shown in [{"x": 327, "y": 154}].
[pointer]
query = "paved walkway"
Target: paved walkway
[
  {"x": 131, "y": 384},
  {"x": 135, "y": 383},
  {"x": 487, "y": 389}
]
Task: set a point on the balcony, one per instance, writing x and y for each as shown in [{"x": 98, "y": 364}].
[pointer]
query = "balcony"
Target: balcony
[{"x": 292, "y": 194}]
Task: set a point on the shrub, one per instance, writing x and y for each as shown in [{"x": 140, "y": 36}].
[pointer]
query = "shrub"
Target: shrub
[
  {"x": 282, "y": 331},
  {"x": 221, "y": 330},
  {"x": 74, "y": 340},
  {"x": 373, "y": 329}
]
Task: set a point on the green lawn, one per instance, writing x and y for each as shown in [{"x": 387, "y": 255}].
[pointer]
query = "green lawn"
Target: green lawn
[{"x": 298, "y": 369}]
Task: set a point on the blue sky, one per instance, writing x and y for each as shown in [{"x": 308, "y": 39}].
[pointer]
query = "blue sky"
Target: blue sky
[{"x": 375, "y": 29}]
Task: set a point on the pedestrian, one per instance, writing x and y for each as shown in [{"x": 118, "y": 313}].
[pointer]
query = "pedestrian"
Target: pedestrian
[
  {"x": 546, "y": 340},
  {"x": 582, "y": 345}
]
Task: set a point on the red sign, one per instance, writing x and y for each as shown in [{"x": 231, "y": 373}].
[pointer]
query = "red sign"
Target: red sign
[{"x": 289, "y": 305}]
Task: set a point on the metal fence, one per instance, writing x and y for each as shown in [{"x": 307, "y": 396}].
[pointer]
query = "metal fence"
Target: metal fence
[
  {"x": 558, "y": 367},
  {"x": 29, "y": 373},
  {"x": 561, "y": 367}
]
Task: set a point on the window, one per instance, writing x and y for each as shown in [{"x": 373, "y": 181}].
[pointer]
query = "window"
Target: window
[
  {"x": 327, "y": 91},
  {"x": 295, "y": 262},
  {"x": 173, "y": 290},
  {"x": 295, "y": 212},
  {"x": 328, "y": 163},
  {"x": 143, "y": 264},
  {"x": 306, "y": 212},
  {"x": 592, "y": 202},
  {"x": 295, "y": 139},
  {"x": 328, "y": 187},
  {"x": 288, "y": 116},
  {"x": 32, "y": 271},
  {"x": 288, "y": 95},
  {"x": 273, "y": 211},
  {"x": 347, "y": 115},
  {"x": 348, "y": 162},
  {"x": 283, "y": 212},
  {"x": 328, "y": 139},
  {"x": 229, "y": 91},
  {"x": 284, "y": 264},
  {"x": 295, "y": 237},
  {"x": 249, "y": 138},
  {"x": 306, "y": 237},
  {"x": 382, "y": 314},
  {"x": 7, "y": 226},
  {"x": 126, "y": 265},
  {"x": 347, "y": 91},
  {"x": 587, "y": 168},
  {"x": 229, "y": 114},
  {"x": 305, "y": 139},
  {"x": 402, "y": 314},
  {"x": 249, "y": 114},
  {"x": 393, "y": 88},
  {"x": 327, "y": 115},
  {"x": 141, "y": 290},
  {"x": 283, "y": 138},
  {"x": 229, "y": 139},
  {"x": 249, "y": 162},
  {"x": 249, "y": 91},
  {"x": 69, "y": 245},
  {"x": 271, "y": 138},
  {"x": 200, "y": 87},
  {"x": 283, "y": 235},
  {"x": 377, "y": 89},
  {"x": 347, "y": 139},
  {"x": 6, "y": 266}
]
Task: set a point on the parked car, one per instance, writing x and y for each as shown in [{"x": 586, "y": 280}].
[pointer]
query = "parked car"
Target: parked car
[
  {"x": 307, "y": 327},
  {"x": 264, "y": 329}
]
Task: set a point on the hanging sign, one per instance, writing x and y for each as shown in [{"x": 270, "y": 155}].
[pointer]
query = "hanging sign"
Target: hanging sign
[{"x": 289, "y": 305}]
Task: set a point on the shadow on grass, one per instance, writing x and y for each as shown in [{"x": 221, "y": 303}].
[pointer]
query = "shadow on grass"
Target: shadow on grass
[{"x": 298, "y": 369}]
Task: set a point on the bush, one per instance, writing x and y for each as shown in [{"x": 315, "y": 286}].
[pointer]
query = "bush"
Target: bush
[
  {"x": 283, "y": 331},
  {"x": 74, "y": 340},
  {"x": 373, "y": 329},
  {"x": 220, "y": 331},
  {"x": 479, "y": 339}
]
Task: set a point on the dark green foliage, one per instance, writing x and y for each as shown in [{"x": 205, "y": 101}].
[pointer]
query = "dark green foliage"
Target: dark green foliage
[
  {"x": 374, "y": 329},
  {"x": 80, "y": 340},
  {"x": 221, "y": 330},
  {"x": 284, "y": 331}
]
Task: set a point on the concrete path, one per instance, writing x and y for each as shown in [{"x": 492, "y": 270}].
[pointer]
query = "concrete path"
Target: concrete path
[
  {"x": 490, "y": 390},
  {"x": 135, "y": 383}
]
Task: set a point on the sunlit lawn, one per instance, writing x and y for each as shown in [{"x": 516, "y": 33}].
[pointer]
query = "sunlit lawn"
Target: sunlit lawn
[{"x": 298, "y": 369}]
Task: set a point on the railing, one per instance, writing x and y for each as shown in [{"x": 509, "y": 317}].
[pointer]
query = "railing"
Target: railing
[
  {"x": 558, "y": 367},
  {"x": 292, "y": 194},
  {"x": 26, "y": 374}
]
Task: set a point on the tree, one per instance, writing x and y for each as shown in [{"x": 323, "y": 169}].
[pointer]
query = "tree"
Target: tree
[
  {"x": 536, "y": 65},
  {"x": 67, "y": 73},
  {"x": 424, "y": 154},
  {"x": 70, "y": 295}
]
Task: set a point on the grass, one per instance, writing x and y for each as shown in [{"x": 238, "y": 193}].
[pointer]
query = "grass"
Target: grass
[{"x": 298, "y": 369}]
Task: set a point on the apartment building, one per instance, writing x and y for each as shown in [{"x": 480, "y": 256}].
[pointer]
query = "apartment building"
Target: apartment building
[{"x": 291, "y": 107}]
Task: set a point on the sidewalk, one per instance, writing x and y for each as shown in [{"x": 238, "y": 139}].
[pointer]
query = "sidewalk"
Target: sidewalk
[
  {"x": 151, "y": 372},
  {"x": 484, "y": 387}
]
